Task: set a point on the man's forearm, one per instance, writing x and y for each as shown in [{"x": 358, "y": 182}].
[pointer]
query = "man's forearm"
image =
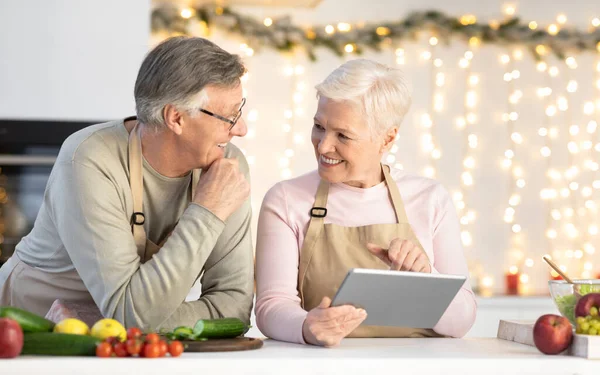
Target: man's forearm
[{"x": 226, "y": 304}]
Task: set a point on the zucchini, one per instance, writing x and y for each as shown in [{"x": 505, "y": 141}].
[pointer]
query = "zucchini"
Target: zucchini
[
  {"x": 63, "y": 344},
  {"x": 219, "y": 328},
  {"x": 29, "y": 322}
]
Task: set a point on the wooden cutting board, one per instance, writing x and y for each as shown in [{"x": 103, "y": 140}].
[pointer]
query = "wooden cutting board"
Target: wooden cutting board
[
  {"x": 223, "y": 345},
  {"x": 584, "y": 346}
]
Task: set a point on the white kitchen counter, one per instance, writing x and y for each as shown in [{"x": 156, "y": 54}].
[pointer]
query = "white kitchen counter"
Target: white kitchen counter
[
  {"x": 354, "y": 356},
  {"x": 491, "y": 309}
]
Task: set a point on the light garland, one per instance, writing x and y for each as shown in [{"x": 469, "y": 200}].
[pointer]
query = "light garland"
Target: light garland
[{"x": 282, "y": 35}]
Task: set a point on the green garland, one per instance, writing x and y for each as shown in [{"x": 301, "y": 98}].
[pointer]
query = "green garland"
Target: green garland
[{"x": 282, "y": 35}]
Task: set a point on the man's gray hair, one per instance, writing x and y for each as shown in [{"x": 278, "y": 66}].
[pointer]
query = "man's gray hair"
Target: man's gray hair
[
  {"x": 378, "y": 91},
  {"x": 177, "y": 71}
]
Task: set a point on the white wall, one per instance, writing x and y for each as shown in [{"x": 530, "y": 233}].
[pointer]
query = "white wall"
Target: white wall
[
  {"x": 70, "y": 59},
  {"x": 78, "y": 59}
]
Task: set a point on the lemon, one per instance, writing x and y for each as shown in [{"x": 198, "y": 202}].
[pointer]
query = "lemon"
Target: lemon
[
  {"x": 106, "y": 328},
  {"x": 72, "y": 326}
]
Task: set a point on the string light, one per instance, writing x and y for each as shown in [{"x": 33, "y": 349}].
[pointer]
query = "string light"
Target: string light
[
  {"x": 293, "y": 138},
  {"x": 587, "y": 213},
  {"x": 468, "y": 19},
  {"x": 518, "y": 54},
  {"x": 542, "y": 66},
  {"x": 247, "y": 50},
  {"x": 430, "y": 143},
  {"x": 344, "y": 27},
  {"x": 399, "y": 53},
  {"x": 466, "y": 123},
  {"x": 561, "y": 19},
  {"x": 509, "y": 9},
  {"x": 541, "y": 49},
  {"x": 516, "y": 179},
  {"x": 573, "y": 214},
  {"x": 382, "y": 31},
  {"x": 187, "y": 13}
]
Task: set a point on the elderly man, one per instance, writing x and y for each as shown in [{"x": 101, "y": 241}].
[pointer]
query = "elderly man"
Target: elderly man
[{"x": 136, "y": 210}]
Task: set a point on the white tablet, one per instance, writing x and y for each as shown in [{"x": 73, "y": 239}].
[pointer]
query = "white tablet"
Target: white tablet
[{"x": 398, "y": 298}]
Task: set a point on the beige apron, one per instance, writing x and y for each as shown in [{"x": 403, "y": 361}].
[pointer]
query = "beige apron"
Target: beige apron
[
  {"x": 35, "y": 290},
  {"x": 330, "y": 250},
  {"x": 146, "y": 248}
]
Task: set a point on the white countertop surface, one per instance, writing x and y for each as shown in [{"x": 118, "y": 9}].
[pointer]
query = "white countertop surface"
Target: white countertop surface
[{"x": 353, "y": 356}]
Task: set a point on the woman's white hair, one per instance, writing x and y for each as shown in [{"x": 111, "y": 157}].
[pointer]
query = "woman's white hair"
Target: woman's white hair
[{"x": 379, "y": 91}]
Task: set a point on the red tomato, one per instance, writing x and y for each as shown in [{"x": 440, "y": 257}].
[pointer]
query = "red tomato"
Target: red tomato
[
  {"x": 152, "y": 338},
  {"x": 133, "y": 346},
  {"x": 164, "y": 348},
  {"x": 151, "y": 350},
  {"x": 112, "y": 340},
  {"x": 121, "y": 349},
  {"x": 134, "y": 333},
  {"x": 104, "y": 350},
  {"x": 175, "y": 348}
]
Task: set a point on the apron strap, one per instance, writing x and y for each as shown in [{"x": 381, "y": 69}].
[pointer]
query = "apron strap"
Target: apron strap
[
  {"x": 315, "y": 227},
  {"x": 195, "y": 178},
  {"x": 136, "y": 182},
  {"x": 399, "y": 204},
  {"x": 395, "y": 195}
]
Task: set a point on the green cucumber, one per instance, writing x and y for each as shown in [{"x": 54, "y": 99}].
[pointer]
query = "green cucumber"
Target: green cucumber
[
  {"x": 63, "y": 344},
  {"x": 219, "y": 328},
  {"x": 183, "y": 333},
  {"x": 29, "y": 322}
]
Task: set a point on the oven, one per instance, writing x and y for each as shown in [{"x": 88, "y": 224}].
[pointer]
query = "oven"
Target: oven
[{"x": 28, "y": 150}]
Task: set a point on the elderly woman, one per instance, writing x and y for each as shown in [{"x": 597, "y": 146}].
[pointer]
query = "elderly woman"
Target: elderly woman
[
  {"x": 128, "y": 223},
  {"x": 375, "y": 217}
]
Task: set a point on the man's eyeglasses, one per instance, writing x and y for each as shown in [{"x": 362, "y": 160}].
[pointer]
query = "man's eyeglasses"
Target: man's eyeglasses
[{"x": 233, "y": 121}]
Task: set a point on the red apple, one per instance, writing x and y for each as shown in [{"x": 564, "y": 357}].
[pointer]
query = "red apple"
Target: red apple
[
  {"x": 552, "y": 333},
  {"x": 11, "y": 338},
  {"x": 586, "y": 302}
]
